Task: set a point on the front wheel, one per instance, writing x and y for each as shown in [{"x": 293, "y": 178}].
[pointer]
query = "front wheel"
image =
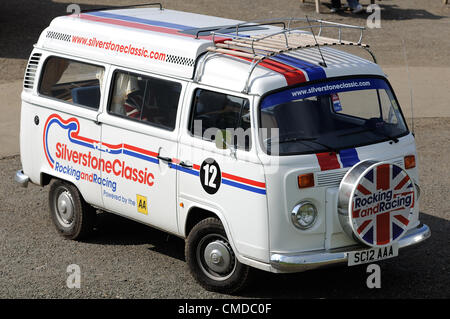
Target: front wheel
[
  {"x": 211, "y": 259},
  {"x": 72, "y": 216}
]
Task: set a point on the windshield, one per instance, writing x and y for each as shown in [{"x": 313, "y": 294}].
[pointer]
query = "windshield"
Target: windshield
[{"x": 330, "y": 116}]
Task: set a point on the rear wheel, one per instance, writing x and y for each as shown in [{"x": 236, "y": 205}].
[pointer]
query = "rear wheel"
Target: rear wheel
[
  {"x": 72, "y": 216},
  {"x": 211, "y": 259}
]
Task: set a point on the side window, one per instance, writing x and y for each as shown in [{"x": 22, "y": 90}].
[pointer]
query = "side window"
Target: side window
[
  {"x": 72, "y": 81},
  {"x": 214, "y": 111},
  {"x": 145, "y": 99}
]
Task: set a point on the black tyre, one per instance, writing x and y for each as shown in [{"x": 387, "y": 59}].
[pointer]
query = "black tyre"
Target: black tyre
[
  {"x": 211, "y": 259},
  {"x": 72, "y": 216}
]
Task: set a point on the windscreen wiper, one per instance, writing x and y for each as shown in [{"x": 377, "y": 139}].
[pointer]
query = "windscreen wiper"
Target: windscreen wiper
[
  {"x": 307, "y": 139},
  {"x": 373, "y": 129}
]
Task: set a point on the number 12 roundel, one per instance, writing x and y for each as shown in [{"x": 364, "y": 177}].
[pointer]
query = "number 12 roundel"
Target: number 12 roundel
[{"x": 210, "y": 176}]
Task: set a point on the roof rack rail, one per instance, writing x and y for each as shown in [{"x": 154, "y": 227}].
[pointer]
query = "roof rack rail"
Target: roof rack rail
[
  {"x": 229, "y": 27},
  {"x": 260, "y": 47},
  {"x": 125, "y": 7}
]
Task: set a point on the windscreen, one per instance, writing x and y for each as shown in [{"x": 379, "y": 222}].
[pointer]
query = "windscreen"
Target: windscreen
[{"x": 329, "y": 116}]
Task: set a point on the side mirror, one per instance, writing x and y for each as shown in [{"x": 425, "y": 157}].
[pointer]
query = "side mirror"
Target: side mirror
[{"x": 222, "y": 139}]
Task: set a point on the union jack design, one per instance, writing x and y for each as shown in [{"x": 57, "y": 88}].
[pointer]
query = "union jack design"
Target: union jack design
[{"x": 382, "y": 205}]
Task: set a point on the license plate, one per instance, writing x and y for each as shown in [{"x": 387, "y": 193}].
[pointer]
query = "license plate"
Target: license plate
[{"x": 372, "y": 255}]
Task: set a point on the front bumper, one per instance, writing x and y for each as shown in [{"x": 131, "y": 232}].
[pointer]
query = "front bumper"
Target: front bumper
[
  {"x": 321, "y": 258},
  {"x": 21, "y": 178}
]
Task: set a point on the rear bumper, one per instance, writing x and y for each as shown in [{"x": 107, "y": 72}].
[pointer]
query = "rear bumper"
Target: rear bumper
[
  {"x": 322, "y": 258},
  {"x": 21, "y": 178}
]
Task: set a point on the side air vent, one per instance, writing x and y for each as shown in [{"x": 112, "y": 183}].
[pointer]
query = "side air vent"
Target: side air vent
[
  {"x": 30, "y": 73},
  {"x": 333, "y": 178}
]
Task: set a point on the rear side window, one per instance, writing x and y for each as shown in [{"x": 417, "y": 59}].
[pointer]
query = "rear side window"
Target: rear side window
[
  {"x": 72, "y": 81},
  {"x": 142, "y": 98},
  {"x": 213, "y": 111}
]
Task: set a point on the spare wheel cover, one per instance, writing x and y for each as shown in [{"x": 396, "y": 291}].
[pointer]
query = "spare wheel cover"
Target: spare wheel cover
[{"x": 376, "y": 203}]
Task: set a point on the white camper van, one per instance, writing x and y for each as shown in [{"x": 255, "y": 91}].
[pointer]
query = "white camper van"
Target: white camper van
[{"x": 261, "y": 144}]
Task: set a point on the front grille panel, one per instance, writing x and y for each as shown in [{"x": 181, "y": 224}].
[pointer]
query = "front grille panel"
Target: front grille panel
[
  {"x": 333, "y": 178},
  {"x": 330, "y": 178}
]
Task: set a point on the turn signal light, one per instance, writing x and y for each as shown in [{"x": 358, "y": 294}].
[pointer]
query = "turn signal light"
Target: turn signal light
[
  {"x": 306, "y": 180},
  {"x": 410, "y": 161}
]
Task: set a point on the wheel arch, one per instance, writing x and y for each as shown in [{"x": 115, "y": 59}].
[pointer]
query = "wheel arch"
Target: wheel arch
[
  {"x": 47, "y": 178},
  {"x": 197, "y": 213}
]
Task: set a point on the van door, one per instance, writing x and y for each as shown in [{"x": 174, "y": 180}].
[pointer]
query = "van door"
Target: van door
[
  {"x": 226, "y": 177},
  {"x": 60, "y": 123},
  {"x": 139, "y": 140}
]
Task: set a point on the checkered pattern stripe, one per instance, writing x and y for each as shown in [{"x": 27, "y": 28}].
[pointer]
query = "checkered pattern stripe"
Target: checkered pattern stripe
[
  {"x": 180, "y": 60},
  {"x": 59, "y": 36}
]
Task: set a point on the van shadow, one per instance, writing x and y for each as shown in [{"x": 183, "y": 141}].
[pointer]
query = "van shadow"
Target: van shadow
[
  {"x": 390, "y": 12},
  {"x": 116, "y": 230},
  {"x": 419, "y": 272},
  {"x": 22, "y": 21}
]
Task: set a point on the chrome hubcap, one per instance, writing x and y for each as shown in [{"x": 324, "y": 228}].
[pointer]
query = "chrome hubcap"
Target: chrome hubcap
[
  {"x": 215, "y": 257},
  {"x": 218, "y": 256},
  {"x": 65, "y": 209}
]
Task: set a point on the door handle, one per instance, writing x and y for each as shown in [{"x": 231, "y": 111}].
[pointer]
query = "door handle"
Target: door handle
[
  {"x": 164, "y": 159},
  {"x": 184, "y": 164}
]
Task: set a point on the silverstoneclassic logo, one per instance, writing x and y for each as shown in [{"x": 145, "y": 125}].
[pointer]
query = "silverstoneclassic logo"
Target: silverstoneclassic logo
[{"x": 382, "y": 205}]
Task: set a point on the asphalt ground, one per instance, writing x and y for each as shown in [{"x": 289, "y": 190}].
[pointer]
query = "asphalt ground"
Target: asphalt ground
[{"x": 125, "y": 259}]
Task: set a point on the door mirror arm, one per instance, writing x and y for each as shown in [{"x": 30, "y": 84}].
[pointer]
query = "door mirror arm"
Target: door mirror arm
[{"x": 222, "y": 142}]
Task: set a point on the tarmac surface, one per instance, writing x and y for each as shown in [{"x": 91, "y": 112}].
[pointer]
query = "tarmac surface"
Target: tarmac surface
[
  {"x": 128, "y": 260},
  {"x": 125, "y": 259}
]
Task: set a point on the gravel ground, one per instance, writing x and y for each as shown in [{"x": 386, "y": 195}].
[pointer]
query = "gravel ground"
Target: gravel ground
[{"x": 128, "y": 260}]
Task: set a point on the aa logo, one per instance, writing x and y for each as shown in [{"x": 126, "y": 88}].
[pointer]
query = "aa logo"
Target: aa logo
[{"x": 142, "y": 204}]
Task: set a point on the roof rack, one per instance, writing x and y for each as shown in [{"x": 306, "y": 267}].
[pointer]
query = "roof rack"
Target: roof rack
[
  {"x": 260, "y": 47},
  {"x": 125, "y": 7}
]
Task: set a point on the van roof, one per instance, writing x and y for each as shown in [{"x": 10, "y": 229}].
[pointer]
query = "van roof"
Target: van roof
[{"x": 170, "y": 42}]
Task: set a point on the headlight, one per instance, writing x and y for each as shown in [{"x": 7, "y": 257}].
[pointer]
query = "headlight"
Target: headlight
[{"x": 304, "y": 215}]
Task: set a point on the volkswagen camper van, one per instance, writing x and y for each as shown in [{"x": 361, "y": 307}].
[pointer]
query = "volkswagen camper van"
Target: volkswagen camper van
[{"x": 263, "y": 145}]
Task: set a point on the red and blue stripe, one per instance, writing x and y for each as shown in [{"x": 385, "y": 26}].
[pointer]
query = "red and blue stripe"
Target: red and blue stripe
[
  {"x": 73, "y": 126},
  {"x": 140, "y": 23},
  {"x": 313, "y": 71},
  {"x": 332, "y": 160},
  {"x": 227, "y": 179}
]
